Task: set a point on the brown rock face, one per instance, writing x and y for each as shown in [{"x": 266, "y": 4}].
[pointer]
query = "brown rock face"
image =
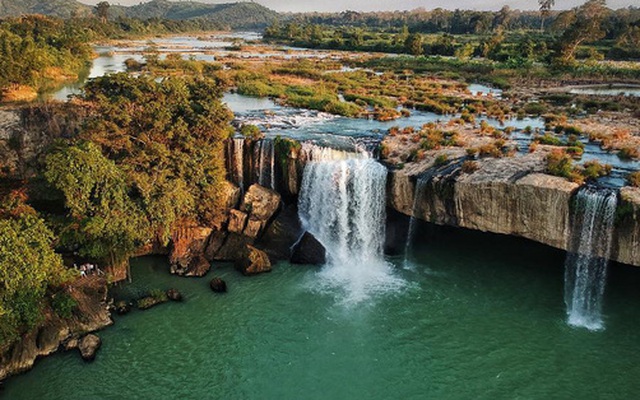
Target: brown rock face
[
  {"x": 187, "y": 251},
  {"x": 504, "y": 199},
  {"x": 253, "y": 228},
  {"x": 253, "y": 261},
  {"x": 625, "y": 247},
  {"x": 91, "y": 314},
  {"x": 260, "y": 203},
  {"x": 89, "y": 346}
]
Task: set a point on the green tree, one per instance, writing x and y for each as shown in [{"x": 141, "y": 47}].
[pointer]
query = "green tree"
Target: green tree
[
  {"x": 587, "y": 27},
  {"x": 414, "y": 44},
  {"x": 102, "y": 11},
  {"x": 545, "y": 10},
  {"x": 28, "y": 265}
]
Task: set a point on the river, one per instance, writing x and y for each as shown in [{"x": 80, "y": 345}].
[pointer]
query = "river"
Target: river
[{"x": 481, "y": 317}]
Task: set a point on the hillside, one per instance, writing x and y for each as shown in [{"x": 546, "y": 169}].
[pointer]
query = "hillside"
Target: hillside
[
  {"x": 58, "y": 8},
  {"x": 232, "y": 15}
]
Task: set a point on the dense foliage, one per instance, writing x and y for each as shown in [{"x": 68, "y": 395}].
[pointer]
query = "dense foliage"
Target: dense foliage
[
  {"x": 130, "y": 176},
  {"x": 502, "y": 35},
  {"x": 28, "y": 265},
  {"x": 36, "y": 50}
]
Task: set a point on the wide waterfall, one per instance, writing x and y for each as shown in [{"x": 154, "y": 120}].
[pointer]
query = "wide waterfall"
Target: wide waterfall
[
  {"x": 342, "y": 202},
  {"x": 418, "y": 194},
  {"x": 588, "y": 257}
]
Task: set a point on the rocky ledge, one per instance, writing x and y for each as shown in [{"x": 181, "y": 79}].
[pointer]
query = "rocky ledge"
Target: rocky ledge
[
  {"x": 53, "y": 332},
  {"x": 511, "y": 196}
]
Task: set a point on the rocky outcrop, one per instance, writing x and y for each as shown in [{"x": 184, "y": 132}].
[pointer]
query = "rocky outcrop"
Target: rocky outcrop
[
  {"x": 309, "y": 251},
  {"x": 253, "y": 261},
  {"x": 187, "y": 253},
  {"x": 260, "y": 203},
  {"x": 625, "y": 247},
  {"x": 282, "y": 234},
  {"x": 90, "y": 315},
  {"x": 508, "y": 196},
  {"x": 218, "y": 285},
  {"x": 88, "y": 346}
]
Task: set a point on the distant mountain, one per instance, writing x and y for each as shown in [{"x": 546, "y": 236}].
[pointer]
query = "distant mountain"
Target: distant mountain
[
  {"x": 237, "y": 14},
  {"x": 234, "y": 15},
  {"x": 58, "y": 8}
]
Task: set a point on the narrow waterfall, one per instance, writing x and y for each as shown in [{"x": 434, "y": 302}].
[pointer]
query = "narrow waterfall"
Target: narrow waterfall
[
  {"x": 235, "y": 160},
  {"x": 342, "y": 202},
  {"x": 264, "y": 163},
  {"x": 588, "y": 257},
  {"x": 418, "y": 194}
]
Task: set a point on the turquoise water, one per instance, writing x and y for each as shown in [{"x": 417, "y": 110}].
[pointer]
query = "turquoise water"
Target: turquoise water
[{"x": 481, "y": 317}]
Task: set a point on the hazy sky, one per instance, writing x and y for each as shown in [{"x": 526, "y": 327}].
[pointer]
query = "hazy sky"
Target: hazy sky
[{"x": 379, "y": 5}]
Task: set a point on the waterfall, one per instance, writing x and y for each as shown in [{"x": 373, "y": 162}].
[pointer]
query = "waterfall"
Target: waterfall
[
  {"x": 421, "y": 185},
  {"x": 264, "y": 163},
  {"x": 342, "y": 202},
  {"x": 588, "y": 257},
  {"x": 235, "y": 157}
]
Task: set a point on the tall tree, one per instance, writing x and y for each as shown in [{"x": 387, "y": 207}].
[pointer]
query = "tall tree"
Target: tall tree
[
  {"x": 586, "y": 28},
  {"x": 545, "y": 10},
  {"x": 102, "y": 11}
]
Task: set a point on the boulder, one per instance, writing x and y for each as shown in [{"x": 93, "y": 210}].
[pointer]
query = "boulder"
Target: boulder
[
  {"x": 253, "y": 261},
  {"x": 218, "y": 285},
  {"x": 122, "y": 307},
  {"x": 253, "y": 228},
  {"x": 237, "y": 221},
  {"x": 88, "y": 346},
  {"x": 174, "y": 295},
  {"x": 260, "y": 202},
  {"x": 71, "y": 344},
  {"x": 309, "y": 250},
  {"x": 216, "y": 241},
  {"x": 280, "y": 236},
  {"x": 233, "y": 247}
]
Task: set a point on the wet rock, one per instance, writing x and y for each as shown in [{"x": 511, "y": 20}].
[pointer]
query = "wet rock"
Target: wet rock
[
  {"x": 88, "y": 346},
  {"x": 218, "y": 285},
  {"x": 71, "y": 343},
  {"x": 156, "y": 297},
  {"x": 260, "y": 202},
  {"x": 282, "y": 234},
  {"x": 233, "y": 247},
  {"x": 309, "y": 251},
  {"x": 122, "y": 307},
  {"x": 253, "y": 261},
  {"x": 216, "y": 241},
  {"x": 174, "y": 295}
]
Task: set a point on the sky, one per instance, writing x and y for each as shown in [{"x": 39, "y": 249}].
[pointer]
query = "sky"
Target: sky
[{"x": 388, "y": 5}]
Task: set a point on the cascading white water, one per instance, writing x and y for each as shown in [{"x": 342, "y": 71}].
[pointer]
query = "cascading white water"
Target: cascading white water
[
  {"x": 264, "y": 158},
  {"x": 342, "y": 202},
  {"x": 587, "y": 260},
  {"x": 421, "y": 185},
  {"x": 236, "y": 161}
]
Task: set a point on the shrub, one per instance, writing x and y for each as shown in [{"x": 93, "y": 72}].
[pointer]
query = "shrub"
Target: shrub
[
  {"x": 548, "y": 139},
  {"x": 629, "y": 153},
  {"x": 593, "y": 169},
  {"x": 469, "y": 167},
  {"x": 535, "y": 108},
  {"x": 441, "y": 160},
  {"x": 251, "y": 132},
  {"x": 63, "y": 304}
]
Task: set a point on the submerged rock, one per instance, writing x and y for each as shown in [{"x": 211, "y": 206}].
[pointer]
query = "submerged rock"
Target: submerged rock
[
  {"x": 218, "y": 285},
  {"x": 309, "y": 250},
  {"x": 253, "y": 261},
  {"x": 174, "y": 295},
  {"x": 153, "y": 300},
  {"x": 122, "y": 307},
  {"x": 88, "y": 346}
]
